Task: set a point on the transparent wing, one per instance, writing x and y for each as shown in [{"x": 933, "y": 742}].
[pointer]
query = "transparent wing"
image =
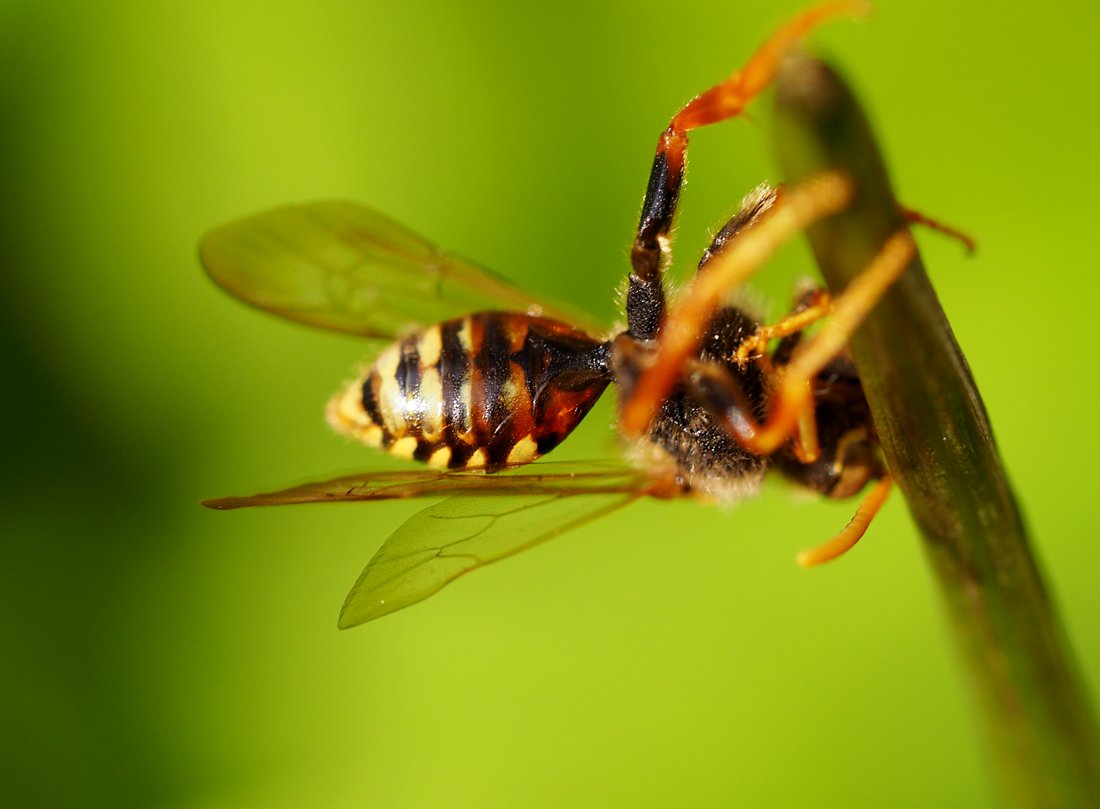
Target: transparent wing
[
  {"x": 486, "y": 518},
  {"x": 547, "y": 478},
  {"x": 437, "y": 545},
  {"x": 342, "y": 266}
]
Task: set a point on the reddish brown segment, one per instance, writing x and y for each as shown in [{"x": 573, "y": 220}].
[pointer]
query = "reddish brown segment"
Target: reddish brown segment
[{"x": 487, "y": 390}]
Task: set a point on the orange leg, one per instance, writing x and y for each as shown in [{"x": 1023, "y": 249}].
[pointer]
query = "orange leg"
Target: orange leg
[
  {"x": 805, "y": 444},
  {"x": 810, "y": 308},
  {"x": 849, "y": 310},
  {"x": 853, "y": 532},
  {"x": 728, "y": 99},
  {"x": 917, "y": 218},
  {"x": 756, "y": 346}
]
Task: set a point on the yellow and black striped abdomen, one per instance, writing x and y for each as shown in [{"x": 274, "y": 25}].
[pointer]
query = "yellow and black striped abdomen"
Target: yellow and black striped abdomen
[{"x": 486, "y": 390}]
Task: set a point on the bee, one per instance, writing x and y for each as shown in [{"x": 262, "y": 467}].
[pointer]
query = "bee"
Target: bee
[{"x": 478, "y": 380}]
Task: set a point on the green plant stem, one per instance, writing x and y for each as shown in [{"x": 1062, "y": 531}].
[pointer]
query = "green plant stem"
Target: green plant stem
[{"x": 939, "y": 448}]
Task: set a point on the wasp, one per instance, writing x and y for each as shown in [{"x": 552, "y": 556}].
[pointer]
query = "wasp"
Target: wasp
[{"x": 478, "y": 379}]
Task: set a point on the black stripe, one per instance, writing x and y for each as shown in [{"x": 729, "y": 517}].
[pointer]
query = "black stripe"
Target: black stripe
[
  {"x": 408, "y": 369},
  {"x": 424, "y": 450},
  {"x": 493, "y": 365},
  {"x": 370, "y": 400},
  {"x": 454, "y": 368}
]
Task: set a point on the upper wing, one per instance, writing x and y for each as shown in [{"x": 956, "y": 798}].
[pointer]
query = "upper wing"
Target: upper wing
[
  {"x": 547, "y": 478},
  {"x": 342, "y": 266}
]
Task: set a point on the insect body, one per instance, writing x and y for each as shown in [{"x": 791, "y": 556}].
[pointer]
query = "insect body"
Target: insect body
[
  {"x": 477, "y": 380},
  {"x": 484, "y": 391}
]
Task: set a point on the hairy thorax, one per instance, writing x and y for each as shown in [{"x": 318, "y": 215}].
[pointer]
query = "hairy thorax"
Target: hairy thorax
[{"x": 684, "y": 440}]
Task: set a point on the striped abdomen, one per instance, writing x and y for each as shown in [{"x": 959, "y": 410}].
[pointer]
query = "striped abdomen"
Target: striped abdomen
[{"x": 482, "y": 391}]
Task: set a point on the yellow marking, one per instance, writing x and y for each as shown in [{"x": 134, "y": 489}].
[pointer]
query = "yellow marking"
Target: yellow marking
[
  {"x": 391, "y": 404},
  {"x": 388, "y": 360},
  {"x": 463, "y": 334},
  {"x": 371, "y": 435},
  {"x": 404, "y": 447},
  {"x": 431, "y": 405},
  {"x": 519, "y": 396},
  {"x": 345, "y": 412},
  {"x": 465, "y": 395},
  {"x": 508, "y": 391},
  {"x": 429, "y": 346},
  {"x": 524, "y": 451},
  {"x": 515, "y": 329},
  {"x": 391, "y": 401},
  {"x": 440, "y": 458},
  {"x": 477, "y": 460}
]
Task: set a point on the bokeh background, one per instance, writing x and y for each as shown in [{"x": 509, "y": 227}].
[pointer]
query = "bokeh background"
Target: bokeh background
[{"x": 160, "y": 655}]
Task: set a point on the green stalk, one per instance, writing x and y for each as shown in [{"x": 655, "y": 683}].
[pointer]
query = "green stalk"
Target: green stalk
[{"x": 939, "y": 448}]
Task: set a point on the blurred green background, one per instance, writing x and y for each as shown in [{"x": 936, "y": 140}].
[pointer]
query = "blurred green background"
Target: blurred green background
[{"x": 160, "y": 655}]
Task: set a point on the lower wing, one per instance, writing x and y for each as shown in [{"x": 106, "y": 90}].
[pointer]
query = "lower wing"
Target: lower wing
[{"x": 487, "y": 517}]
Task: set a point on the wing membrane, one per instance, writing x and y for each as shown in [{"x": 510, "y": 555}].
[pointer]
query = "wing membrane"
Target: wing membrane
[
  {"x": 342, "y": 266},
  {"x": 487, "y": 517},
  {"x": 546, "y": 478},
  {"x": 444, "y": 541}
]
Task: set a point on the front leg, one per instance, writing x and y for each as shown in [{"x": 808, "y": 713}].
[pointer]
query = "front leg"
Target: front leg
[
  {"x": 724, "y": 272},
  {"x": 645, "y": 298},
  {"x": 810, "y": 308}
]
